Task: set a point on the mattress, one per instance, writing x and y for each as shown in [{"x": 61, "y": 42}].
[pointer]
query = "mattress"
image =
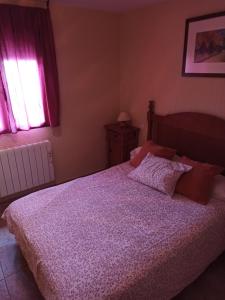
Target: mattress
[{"x": 106, "y": 236}]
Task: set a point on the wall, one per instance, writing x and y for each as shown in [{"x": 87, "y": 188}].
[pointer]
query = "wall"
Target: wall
[
  {"x": 151, "y": 44},
  {"x": 139, "y": 52},
  {"x": 87, "y": 48}
]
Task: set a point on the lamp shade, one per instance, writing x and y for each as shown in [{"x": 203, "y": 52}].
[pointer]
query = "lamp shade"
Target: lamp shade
[{"x": 123, "y": 117}]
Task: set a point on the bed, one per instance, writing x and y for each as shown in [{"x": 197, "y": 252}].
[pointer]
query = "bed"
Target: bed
[{"x": 106, "y": 236}]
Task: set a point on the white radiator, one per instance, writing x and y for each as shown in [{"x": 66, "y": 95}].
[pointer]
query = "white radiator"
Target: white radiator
[{"x": 25, "y": 167}]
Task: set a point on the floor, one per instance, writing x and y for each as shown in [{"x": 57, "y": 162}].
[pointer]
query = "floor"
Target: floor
[
  {"x": 17, "y": 283},
  {"x": 209, "y": 286}
]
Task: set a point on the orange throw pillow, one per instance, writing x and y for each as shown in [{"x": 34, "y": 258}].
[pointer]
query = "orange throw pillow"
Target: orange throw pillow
[
  {"x": 198, "y": 182},
  {"x": 154, "y": 149}
]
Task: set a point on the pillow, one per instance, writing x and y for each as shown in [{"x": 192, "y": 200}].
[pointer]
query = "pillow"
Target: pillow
[
  {"x": 159, "y": 173},
  {"x": 219, "y": 188},
  {"x": 134, "y": 152},
  {"x": 157, "y": 150},
  {"x": 197, "y": 184}
]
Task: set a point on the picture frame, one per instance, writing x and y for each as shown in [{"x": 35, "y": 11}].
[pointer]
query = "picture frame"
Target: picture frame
[{"x": 204, "y": 46}]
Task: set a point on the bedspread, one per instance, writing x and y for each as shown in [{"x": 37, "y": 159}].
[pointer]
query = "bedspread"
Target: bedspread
[{"x": 106, "y": 236}]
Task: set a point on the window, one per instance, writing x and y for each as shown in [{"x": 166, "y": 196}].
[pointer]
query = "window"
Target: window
[
  {"x": 25, "y": 94},
  {"x": 29, "y": 91}
]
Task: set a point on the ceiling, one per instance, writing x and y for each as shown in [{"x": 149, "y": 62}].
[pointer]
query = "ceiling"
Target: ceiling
[{"x": 111, "y": 5}]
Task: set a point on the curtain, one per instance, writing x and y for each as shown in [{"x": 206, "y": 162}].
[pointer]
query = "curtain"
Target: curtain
[{"x": 29, "y": 90}]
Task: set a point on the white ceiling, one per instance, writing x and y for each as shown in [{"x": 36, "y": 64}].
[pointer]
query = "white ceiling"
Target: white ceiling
[{"x": 110, "y": 5}]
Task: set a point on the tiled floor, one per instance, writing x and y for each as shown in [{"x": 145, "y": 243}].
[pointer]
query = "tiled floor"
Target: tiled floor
[
  {"x": 17, "y": 283},
  {"x": 209, "y": 286}
]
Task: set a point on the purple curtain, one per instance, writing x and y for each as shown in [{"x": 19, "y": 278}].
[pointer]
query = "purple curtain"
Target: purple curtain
[
  {"x": 27, "y": 44},
  {"x": 4, "y": 121}
]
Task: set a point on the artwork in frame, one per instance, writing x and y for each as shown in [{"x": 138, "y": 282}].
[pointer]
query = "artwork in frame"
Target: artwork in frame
[{"x": 204, "y": 46}]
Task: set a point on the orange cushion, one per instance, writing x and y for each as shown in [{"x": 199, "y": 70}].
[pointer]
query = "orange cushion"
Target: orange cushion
[
  {"x": 198, "y": 182},
  {"x": 154, "y": 149}
]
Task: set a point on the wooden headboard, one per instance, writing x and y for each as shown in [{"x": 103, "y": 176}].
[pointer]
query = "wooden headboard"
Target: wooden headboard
[{"x": 196, "y": 135}]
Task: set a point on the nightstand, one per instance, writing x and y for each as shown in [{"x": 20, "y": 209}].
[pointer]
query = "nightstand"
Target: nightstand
[{"x": 120, "y": 141}]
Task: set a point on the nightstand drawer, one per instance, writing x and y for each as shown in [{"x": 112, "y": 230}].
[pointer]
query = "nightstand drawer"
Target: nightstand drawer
[
  {"x": 114, "y": 136},
  {"x": 120, "y": 141},
  {"x": 131, "y": 136}
]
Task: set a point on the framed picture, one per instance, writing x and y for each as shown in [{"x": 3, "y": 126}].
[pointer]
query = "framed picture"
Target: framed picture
[{"x": 204, "y": 46}]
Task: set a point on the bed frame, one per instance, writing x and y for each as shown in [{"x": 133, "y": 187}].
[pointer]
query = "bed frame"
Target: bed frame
[{"x": 196, "y": 135}]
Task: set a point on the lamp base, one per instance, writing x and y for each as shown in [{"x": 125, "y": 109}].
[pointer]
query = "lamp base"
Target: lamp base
[{"x": 124, "y": 123}]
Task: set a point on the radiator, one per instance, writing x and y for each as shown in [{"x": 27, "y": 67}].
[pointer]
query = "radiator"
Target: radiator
[{"x": 25, "y": 167}]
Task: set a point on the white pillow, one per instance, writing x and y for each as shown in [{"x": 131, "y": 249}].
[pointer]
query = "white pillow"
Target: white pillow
[
  {"x": 134, "y": 152},
  {"x": 219, "y": 188},
  {"x": 159, "y": 173}
]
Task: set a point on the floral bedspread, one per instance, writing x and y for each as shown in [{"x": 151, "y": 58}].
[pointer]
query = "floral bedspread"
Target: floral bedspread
[{"x": 106, "y": 236}]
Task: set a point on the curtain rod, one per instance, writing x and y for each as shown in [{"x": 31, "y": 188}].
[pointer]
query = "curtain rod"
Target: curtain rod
[{"x": 30, "y": 3}]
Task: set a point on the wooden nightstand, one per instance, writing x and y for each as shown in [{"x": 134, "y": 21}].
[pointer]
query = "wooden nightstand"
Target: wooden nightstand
[{"x": 120, "y": 141}]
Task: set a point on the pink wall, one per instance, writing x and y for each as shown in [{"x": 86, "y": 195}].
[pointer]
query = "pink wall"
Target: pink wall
[
  {"x": 105, "y": 57},
  {"x": 151, "y": 59},
  {"x": 87, "y": 46}
]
